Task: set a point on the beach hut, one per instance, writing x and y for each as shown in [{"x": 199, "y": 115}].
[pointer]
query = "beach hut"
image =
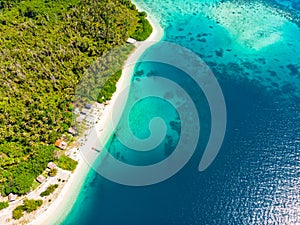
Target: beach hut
[
  {"x": 61, "y": 144},
  {"x": 88, "y": 106},
  {"x": 12, "y": 197},
  {"x": 71, "y": 130},
  {"x": 40, "y": 179},
  {"x": 131, "y": 41},
  {"x": 51, "y": 165}
]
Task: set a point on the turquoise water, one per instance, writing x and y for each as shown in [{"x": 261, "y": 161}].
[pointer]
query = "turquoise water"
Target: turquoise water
[{"x": 253, "y": 50}]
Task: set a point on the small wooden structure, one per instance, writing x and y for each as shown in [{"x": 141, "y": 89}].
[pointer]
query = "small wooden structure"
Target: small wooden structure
[
  {"x": 51, "y": 165},
  {"x": 131, "y": 41},
  {"x": 71, "y": 130},
  {"x": 12, "y": 197},
  {"x": 88, "y": 106},
  {"x": 40, "y": 179},
  {"x": 61, "y": 144}
]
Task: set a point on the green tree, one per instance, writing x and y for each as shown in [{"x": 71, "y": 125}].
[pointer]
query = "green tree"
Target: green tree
[
  {"x": 3, "y": 205},
  {"x": 18, "y": 212},
  {"x": 49, "y": 190},
  {"x": 31, "y": 205},
  {"x": 66, "y": 163},
  {"x": 46, "y": 48},
  {"x": 53, "y": 172}
]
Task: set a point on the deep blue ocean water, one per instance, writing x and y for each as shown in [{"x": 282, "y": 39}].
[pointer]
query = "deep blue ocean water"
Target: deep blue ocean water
[{"x": 255, "y": 178}]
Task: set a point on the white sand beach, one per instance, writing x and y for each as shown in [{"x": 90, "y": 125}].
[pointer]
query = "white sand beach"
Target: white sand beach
[{"x": 62, "y": 204}]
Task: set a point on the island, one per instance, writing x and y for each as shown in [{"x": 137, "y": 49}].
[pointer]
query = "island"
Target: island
[{"x": 46, "y": 48}]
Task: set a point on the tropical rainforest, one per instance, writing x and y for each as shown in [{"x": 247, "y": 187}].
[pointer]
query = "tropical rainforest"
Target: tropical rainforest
[{"x": 45, "y": 48}]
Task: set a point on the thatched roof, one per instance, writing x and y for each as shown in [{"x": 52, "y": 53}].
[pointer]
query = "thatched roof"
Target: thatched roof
[
  {"x": 71, "y": 130},
  {"x": 88, "y": 106},
  {"x": 40, "y": 179},
  {"x": 51, "y": 165},
  {"x": 131, "y": 41},
  {"x": 12, "y": 197},
  {"x": 61, "y": 144}
]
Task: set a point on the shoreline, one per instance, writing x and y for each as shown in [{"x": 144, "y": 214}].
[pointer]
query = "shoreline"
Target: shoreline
[{"x": 60, "y": 207}]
